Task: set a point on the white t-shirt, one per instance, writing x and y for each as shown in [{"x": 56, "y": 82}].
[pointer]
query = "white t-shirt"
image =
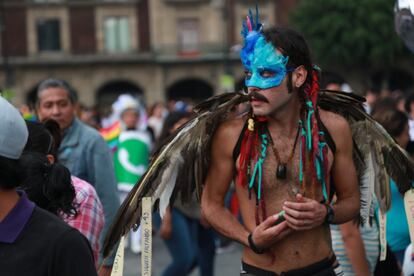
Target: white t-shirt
[
  {"x": 408, "y": 265},
  {"x": 411, "y": 126}
]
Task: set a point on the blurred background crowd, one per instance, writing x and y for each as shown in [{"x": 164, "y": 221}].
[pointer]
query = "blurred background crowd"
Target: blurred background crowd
[{"x": 138, "y": 67}]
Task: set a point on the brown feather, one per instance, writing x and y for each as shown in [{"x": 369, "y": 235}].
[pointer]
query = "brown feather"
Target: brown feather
[
  {"x": 369, "y": 137},
  {"x": 193, "y": 141}
]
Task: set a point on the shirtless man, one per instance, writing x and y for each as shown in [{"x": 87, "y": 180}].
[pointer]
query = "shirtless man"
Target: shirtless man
[{"x": 301, "y": 243}]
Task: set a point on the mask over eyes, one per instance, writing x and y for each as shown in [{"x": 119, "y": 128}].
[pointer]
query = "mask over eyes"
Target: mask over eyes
[{"x": 265, "y": 68}]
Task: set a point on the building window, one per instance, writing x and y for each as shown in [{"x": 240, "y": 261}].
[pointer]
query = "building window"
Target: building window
[
  {"x": 188, "y": 36},
  {"x": 117, "y": 35},
  {"x": 48, "y": 35}
]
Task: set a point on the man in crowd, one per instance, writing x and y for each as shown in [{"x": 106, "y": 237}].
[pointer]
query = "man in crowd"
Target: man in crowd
[{"x": 83, "y": 151}]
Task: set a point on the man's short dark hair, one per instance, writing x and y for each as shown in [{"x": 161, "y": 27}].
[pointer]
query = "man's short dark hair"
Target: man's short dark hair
[
  {"x": 10, "y": 173},
  {"x": 57, "y": 83},
  {"x": 292, "y": 44}
]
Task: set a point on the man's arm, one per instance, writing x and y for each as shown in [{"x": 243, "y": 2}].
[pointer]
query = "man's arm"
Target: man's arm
[
  {"x": 102, "y": 175},
  {"x": 344, "y": 174},
  {"x": 217, "y": 183},
  {"x": 354, "y": 248},
  {"x": 307, "y": 213}
]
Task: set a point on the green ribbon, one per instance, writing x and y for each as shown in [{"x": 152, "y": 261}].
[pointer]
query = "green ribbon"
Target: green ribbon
[{"x": 258, "y": 168}]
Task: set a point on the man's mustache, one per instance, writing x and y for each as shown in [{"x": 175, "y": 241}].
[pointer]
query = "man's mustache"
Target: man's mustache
[{"x": 258, "y": 96}]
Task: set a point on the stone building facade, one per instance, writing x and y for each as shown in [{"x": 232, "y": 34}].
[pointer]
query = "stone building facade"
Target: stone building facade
[{"x": 160, "y": 49}]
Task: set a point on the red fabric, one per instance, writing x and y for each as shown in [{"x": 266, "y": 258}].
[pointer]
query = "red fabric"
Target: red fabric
[
  {"x": 90, "y": 219},
  {"x": 245, "y": 155},
  {"x": 234, "y": 205},
  {"x": 249, "y": 150}
]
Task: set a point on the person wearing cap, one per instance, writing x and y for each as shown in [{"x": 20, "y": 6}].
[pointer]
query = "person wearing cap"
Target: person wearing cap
[
  {"x": 83, "y": 151},
  {"x": 132, "y": 154},
  {"x": 32, "y": 240}
]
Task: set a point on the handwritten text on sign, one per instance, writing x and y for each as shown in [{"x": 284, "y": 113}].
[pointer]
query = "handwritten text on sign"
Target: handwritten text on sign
[{"x": 146, "y": 237}]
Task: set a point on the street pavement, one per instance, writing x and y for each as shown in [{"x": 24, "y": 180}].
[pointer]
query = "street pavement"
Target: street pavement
[{"x": 226, "y": 264}]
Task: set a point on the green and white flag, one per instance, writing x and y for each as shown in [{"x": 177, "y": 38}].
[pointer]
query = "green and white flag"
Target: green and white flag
[{"x": 131, "y": 158}]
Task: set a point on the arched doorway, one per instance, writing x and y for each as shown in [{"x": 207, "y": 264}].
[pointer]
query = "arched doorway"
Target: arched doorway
[
  {"x": 193, "y": 90},
  {"x": 109, "y": 92}
]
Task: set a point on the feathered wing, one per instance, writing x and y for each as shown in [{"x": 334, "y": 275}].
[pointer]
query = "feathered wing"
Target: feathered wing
[
  {"x": 377, "y": 156},
  {"x": 179, "y": 167},
  {"x": 181, "y": 164}
]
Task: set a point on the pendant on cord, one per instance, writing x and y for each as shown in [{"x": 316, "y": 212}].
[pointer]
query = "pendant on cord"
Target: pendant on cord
[{"x": 281, "y": 171}]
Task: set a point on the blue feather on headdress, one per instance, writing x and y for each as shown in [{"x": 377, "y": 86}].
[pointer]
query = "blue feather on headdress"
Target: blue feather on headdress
[{"x": 251, "y": 31}]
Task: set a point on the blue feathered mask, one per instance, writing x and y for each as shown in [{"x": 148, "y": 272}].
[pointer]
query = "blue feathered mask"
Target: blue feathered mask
[{"x": 265, "y": 67}]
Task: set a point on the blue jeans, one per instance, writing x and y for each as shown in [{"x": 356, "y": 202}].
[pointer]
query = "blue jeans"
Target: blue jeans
[{"x": 190, "y": 245}]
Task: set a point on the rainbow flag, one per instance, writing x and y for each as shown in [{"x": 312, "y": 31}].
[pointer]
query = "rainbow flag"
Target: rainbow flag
[
  {"x": 28, "y": 116},
  {"x": 111, "y": 135}
]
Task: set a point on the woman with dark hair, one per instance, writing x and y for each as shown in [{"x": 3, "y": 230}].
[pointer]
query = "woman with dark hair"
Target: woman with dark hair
[
  {"x": 48, "y": 184},
  {"x": 189, "y": 238},
  {"x": 51, "y": 186}
]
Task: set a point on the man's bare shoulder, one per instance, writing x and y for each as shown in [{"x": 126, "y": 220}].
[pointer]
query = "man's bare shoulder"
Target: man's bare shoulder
[
  {"x": 333, "y": 120},
  {"x": 337, "y": 126},
  {"x": 228, "y": 132},
  {"x": 231, "y": 128}
]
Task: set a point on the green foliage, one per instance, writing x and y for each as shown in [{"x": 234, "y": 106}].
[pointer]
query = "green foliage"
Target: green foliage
[
  {"x": 7, "y": 94},
  {"x": 350, "y": 33}
]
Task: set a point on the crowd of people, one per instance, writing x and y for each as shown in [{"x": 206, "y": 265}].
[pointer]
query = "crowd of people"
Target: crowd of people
[
  {"x": 75, "y": 173},
  {"x": 358, "y": 248},
  {"x": 63, "y": 177},
  {"x": 80, "y": 171}
]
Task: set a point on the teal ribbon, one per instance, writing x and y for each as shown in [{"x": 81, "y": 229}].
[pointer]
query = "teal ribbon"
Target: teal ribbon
[
  {"x": 302, "y": 134},
  {"x": 319, "y": 163},
  {"x": 309, "y": 125},
  {"x": 258, "y": 168}
]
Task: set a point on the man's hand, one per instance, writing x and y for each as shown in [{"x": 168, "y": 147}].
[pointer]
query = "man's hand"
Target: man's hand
[
  {"x": 204, "y": 222},
  {"x": 268, "y": 232},
  {"x": 304, "y": 214},
  {"x": 166, "y": 229},
  {"x": 166, "y": 224}
]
